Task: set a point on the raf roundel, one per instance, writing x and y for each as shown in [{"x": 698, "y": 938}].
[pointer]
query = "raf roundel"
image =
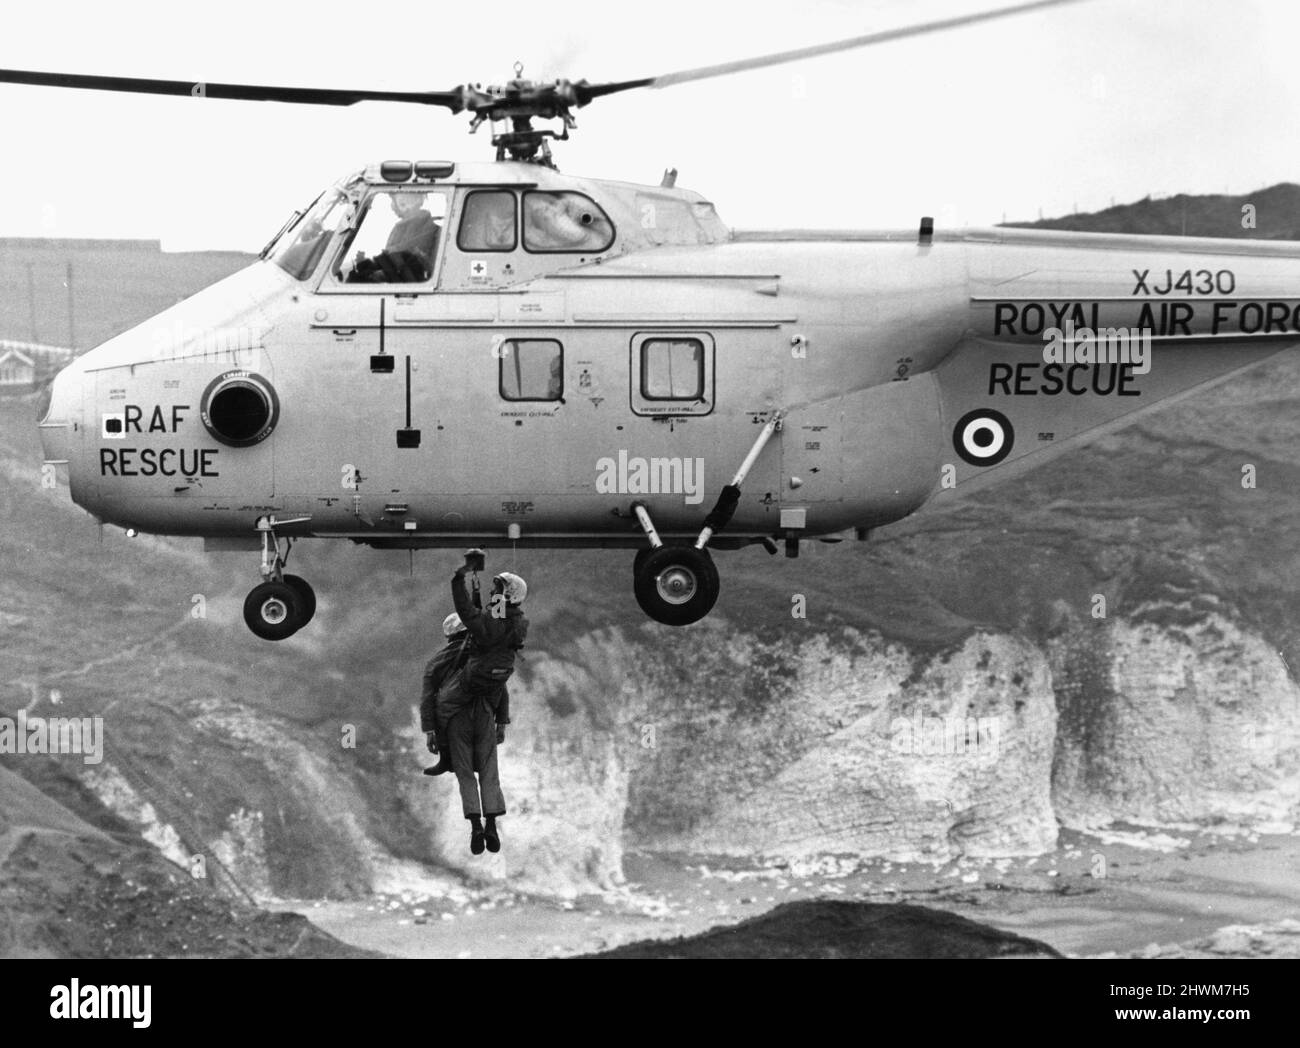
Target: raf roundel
[{"x": 983, "y": 437}]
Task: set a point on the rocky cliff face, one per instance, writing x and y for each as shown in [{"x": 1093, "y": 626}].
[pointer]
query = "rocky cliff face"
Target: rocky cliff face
[
  {"x": 800, "y": 747},
  {"x": 776, "y": 748},
  {"x": 1176, "y": 714}
]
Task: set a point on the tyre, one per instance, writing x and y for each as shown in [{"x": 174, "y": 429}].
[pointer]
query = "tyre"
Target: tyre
[
  {"x": 306, "y": 597},
  {"x": 640, "y": 560},
  {"x": 272, "y": 610},
  {"x": 677, "y": 585}
]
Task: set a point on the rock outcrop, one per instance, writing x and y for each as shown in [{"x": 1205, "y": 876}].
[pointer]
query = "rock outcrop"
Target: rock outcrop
[
  {"x": 72, "y": 889},
  {"x": 1175, "y": 714},
  {"x": 834, "y": 928}
]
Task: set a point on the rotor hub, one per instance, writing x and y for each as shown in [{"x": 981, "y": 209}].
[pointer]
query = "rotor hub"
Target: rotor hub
[{"x": 512, "y": 107}]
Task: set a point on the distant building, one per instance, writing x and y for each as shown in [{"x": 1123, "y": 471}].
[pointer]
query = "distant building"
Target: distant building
[
  {"x": 17, "y": 372},
  {"x": 25, "y": 365}
]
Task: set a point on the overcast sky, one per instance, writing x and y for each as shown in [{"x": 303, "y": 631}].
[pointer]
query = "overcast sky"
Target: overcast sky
[{"x": 1080, "y": 105}]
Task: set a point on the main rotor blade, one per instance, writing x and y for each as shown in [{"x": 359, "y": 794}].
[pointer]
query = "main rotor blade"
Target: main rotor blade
[
  {"x": 780, "y": 58},
  {"x": 453, "y": 100}
]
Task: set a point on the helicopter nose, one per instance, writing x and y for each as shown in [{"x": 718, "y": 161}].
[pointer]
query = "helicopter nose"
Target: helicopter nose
[{"x": 62, "y": 415}]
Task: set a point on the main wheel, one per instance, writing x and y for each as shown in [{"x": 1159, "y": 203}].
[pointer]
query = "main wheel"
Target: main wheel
[
  {"x": 306, "y": 597},
  {"x": 273, "y": 611},
  {"x": 677, "y": 585},
  {"x": 642, "y": 555}
]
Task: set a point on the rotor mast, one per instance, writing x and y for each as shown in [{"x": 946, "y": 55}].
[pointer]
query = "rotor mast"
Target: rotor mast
[{"x": 517, "y": 104}]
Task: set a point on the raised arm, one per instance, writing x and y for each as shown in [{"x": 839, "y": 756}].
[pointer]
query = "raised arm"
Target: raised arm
[{"x": 471, "y": 616}]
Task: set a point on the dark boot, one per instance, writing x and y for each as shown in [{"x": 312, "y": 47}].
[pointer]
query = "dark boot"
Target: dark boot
[
  {"x": 444, "y": 755},
  {"x": 490, "y": 837},
  {"x": 476, "y": 840}
]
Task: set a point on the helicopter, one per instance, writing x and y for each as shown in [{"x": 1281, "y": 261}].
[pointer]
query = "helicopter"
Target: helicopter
[{"x": 441, "y": 354}]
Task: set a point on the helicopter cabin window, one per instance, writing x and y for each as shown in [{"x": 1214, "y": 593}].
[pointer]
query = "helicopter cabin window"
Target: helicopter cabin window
[
  {"x": 673, "y": 373},
  {"x": 565, "y": 222},
  {"x": 531, "y": 369},
  {"x": 299, "y": 248},
  {"x": 672, "y": 369},
  {"x": 396, "y": 241},
  {"x": 488, "y": 222}
]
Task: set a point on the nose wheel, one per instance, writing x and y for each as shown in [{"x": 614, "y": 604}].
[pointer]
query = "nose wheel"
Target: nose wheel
[
  {"x": 281, "y": 604},
  {"x": 273, "y": 610}
]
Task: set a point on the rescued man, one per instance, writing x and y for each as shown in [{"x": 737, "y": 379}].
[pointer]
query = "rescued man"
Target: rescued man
[
  {"x": 445, "y": 662},
  {"x": 473, "y": 706}
]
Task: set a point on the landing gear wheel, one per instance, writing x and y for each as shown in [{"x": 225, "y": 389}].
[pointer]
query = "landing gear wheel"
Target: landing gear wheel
[
  {"x": 677, "y": 585},
  {"x": 306, "y": 597},
  {"x": 273, "y": 610}
]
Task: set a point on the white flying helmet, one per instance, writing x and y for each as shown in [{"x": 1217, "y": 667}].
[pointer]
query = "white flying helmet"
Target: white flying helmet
[
  {"x": 452, "y": 625},
  {"x": 515, "y": 588}
]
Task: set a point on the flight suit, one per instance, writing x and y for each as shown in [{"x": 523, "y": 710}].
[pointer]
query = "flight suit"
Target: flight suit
[
  {"x": 472, "y": 737},
  {"x": 444, "y": 663}
]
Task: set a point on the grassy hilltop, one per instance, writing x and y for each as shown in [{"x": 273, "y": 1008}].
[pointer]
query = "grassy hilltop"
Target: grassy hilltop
[{"x": 1276, "y": 216}]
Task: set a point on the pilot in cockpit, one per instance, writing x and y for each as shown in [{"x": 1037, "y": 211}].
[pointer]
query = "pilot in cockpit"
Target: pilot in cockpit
[{"x": 408, "y": 254}]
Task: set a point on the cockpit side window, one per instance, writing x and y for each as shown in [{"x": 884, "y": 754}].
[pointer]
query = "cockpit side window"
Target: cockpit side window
[
  {"x": 488, "y": 222},
  {"x": 298, "y": 250},
  {"x": 396, "y": 240},
  {"x": 565, "y": 222}
]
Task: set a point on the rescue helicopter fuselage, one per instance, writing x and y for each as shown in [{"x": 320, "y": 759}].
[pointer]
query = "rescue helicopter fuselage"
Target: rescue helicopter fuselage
[{"x": 555, "y": 361}]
